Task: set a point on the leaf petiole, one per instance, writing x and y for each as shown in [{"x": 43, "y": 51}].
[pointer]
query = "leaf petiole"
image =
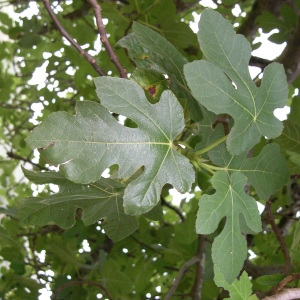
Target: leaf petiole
[
  {"x": 206, "y": 167},
  {"x": 211, "y": 146},
  {"x": 195, "y": 165},
  {"x": 210, "y": 168}
]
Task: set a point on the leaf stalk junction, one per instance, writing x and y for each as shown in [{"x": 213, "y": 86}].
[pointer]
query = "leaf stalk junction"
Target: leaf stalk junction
[{"x": 195, "y": 157}]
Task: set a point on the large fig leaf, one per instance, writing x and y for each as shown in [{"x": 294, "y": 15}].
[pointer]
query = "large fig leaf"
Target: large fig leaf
[
  {"x": 267, "y": 172},
  {"x": 99, "y": 200},
  {"x": 230, "y": 200},
  {"x": 223, "y": 84},
  {"x": 86, "y": 144}
]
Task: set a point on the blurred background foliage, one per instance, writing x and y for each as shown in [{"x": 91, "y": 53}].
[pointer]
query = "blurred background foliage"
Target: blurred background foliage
[{"x": 41, "y": 73}]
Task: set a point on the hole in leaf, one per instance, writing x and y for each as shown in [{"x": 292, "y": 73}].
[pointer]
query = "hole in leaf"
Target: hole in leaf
[
  {"x": 134, "y": 176},
  {"x": 127, "y": 122},
  {"x": 105, "y": 173},
  {"x": 112, "y": 171},
  {"x": 130, "y": 123},
  {"x": 78, "y": 213}
]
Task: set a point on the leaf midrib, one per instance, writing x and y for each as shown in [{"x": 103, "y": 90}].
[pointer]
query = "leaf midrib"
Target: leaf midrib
[
  {"x": 242, "y": 80},
  {"x": 141, "y": 111},
  {"x": 111, "y": 143}
]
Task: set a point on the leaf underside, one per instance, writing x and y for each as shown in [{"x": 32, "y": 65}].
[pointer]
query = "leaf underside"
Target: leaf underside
[
  {"x": 239, "y": 290},
  {"x": 230, "y": 200},
  {"x": 86, "y": 144},
  {"x": 102, "y": 200},
  {"x": 267, "y": 172},
  {"x": 222, "y": 84}
]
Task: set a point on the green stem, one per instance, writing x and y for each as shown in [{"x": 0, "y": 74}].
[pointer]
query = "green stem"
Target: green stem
[
  {"x": 195, "y": 165},
  {"x": 210, "y": 168},
  {"x": 211, "y": 146},
  {"x": 193, "y": 126},
  {"x": 206, "y": 167},
  {"x": 150, "y": 7},
  {"x": 137, "y": 7},
  {"x": 150, "y": 26}
]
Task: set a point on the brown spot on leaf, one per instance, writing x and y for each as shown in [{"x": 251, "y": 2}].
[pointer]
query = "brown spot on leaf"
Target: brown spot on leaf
[{"x": 152, "y": 90}]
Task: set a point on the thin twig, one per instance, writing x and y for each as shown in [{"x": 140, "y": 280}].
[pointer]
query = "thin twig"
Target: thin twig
[
  {"x": 43, "y": 231},
  {"x": 175, "y": 209},
  {"x": 65, "y": 34},
  {"x": 103, "y": 36},
  {"x": 287, "y": 294},
  {"x": 13, "y": 155},
  {"x": 36, "y": 264},
  {"x": 143, "y": 244},
  {"x": 256, "y": 271},
  {"x": 181, "y": 271},
  {"x": 280, "y": 286},
  {"x": 279, "y": 238},
  {"x": 259, "y": 62},
  {"x": 200, "y": 267},
  {"x": 71, "y": 283}
]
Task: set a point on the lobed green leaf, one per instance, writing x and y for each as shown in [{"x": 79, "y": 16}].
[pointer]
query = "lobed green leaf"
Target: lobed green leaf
[
  {"x": 86, "y": 144},
  {"x": 230, "y": 200},
  {"x": 100, "y": 200},
  {"x": 222, "y": 84},
  {"x": 267, "y": 172},
  {"x": 239, "y": 290}
]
